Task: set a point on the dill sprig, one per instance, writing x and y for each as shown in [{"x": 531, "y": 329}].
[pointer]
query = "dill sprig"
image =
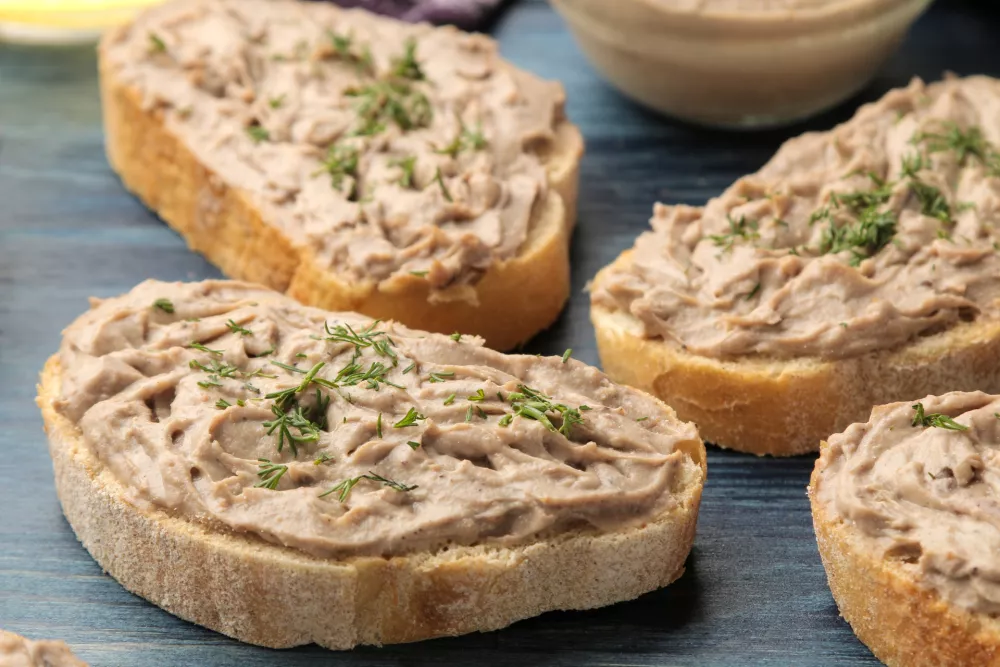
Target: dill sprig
[
  {"x": 566, "y": 355},
  {"x": 439, "y": 179},
  {"x": 198, "y": 346},
  {"x": 378, "y": 341},
  {"x": 741, "y": 229},
  {"x": 382, "y": 102},
  {"x": 865, "y": 237},
  {"x": 935, "y": 419},
  {"x": 156, "y": 44},
  {"x": 258, "y": 133},
  {"x": 237, "y": 329},
  {"x": 407, "y": 166},
  {"x": 964, "y": 143},
  {"x": 532, "y": 404},
  {"x": 166, "y": 305},
  {"x": 466, "y": 139},
  {"x": 343, "y": 48},
  {"x": 353, "y": 374},
  {"x": 406, "y": 66},
  {"x": 440, "y": 376},
  {"x": 285, "y": 396},
  {"x": 284, "y": 422},
  {"x": 222, "y": 404},
  {"x": 270, "y": 474},
  {"x": 342, "y": 161},
  {"x": 343, "y": 489},
  {"x": 411, "y": 419}
]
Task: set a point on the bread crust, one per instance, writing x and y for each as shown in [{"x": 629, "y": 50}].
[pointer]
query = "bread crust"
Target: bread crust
[
  {"x": 785, "y": 407},
  {"x": 274, "y": 596},
  {"x": 904, "y": 624},
  {"x": 221, "y": 222}
]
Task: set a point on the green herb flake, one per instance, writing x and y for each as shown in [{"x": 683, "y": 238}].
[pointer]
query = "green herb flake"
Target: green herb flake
[
  {"x": 406, "y": 66},
  {"x": 222, "y": 404},
  {"x": 237, "y": 329},
  {"x": 198, "y": 346},
  {"x": 457, "y": 337},
  {"x": 478, "y": 397},
  {"x": 166, "y": 305},
  {"x": 270, "y": 474},
  {"x": 411, "y": 419},
  {"x": 936, "y": 420},
  {"x": 378, "y": 426},
  {"x": 505, "y": 421},
  {"x": 450, "y": 399},
  {"x": 407, "y": 166},
  {"x": 439, "y": 179},
  {"x": 739, "y": 230},
  {"x": 566, "y": 355},
  {"x": 258, "y": 133},
  {"x": 156, "y": 44},
  {"x": 413, "y": 445},
  {"x": 343, "y": 489},
  {"x": 440, "y": 376}
]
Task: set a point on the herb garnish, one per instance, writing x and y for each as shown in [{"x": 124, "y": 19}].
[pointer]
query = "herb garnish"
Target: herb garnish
[
  {"x": 478, "y": 397},
  {"x": 202, "y": 348},
  {"x": 406, "y": 66},
  {"x": 237, "y": 329},
  {"x": 457, "y": 337},
  {"x": 258, "y": 133},
  {"x": 407, "y": 165},
  {"x": 276, "y": 102},
  {"x": 532, "y": 404},
  {"x": 378, "y": 426},
  {"x": 964, "y": 143},
  {"x": 285, "y": 421},
  {"x": 379, "y": 341},
  {"x": 410, "y": 367},
  {"x": 343, "y": 49},
  {"x": 450, "y": 399},
  {"x": 566, "y": 355},
  {"x": 270, "y": 474},
  {"x": 411, "y": 419},
  {"x": 222, "y": 404},
  {"x": 439, "y": 179},
  {"x": 342, "y": 161},
  {"x": 345, "y": 486},
  {"x": 935, "y": 419},
  {"x": 464, "y": 140},
  {"x": 505, "y": 421},
  {"x": 741, "y": 229},
  {"x": 156, "y": 44},
  {"x": 413, "y": 445},
  {"x": 166, "y": 305},
  {"x": 419, "y": 274},
  {"x": 286, "y": 396},
  {"x": 440, "y": 376},
  {"x": 382, "y": 102},
  {"x": 322, "y": 458}
]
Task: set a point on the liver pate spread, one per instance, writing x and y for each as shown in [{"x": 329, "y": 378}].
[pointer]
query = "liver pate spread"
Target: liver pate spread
[
  {"x": 392, "y": 151},
  {"x": 921, "y": 483},
  {"x": 845, "y": 242},
  {"x": 16, "y": 651},
  {"x": 234, "y": 406}
]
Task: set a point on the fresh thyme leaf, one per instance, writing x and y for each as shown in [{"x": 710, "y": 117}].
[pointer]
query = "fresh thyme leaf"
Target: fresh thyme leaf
[
  {"x": 478, "y": 397},
  {"x": 450, "y": 399},
  {"x": 413, "y": 445},
  {"x": 411, "y": 419},
  {"x": 284, "y": 422},
  {"x": 270, "y": 474},
  {"x": 440, "y": 376},
  {"x": 439, "y": 179},
  {"x": 237, "y": 329},
  {"x": 741, "y": 229},
  {"x": 258, "y": 133},
  {"x": 156, "y": 44},
  {"x": 500, "y": 397},
  {"x": 936, "y": 420},
  {"x": 407, "y": 165},
  {"x": 566, "y": 355},
  {"x": 407, "y": 67},
  {"x": 222, "y": 404},
  {"x": 378, "y": 426},
  {"x": 276, "y": 102},
  {"x": 480, "y": 412},
  {"x": 457, "y": 337},
  {"x": 242, "y": 403},
  {"x": 216, "y": 367},
  {"x": 202, "y": 348},
  {"x": 166, "y": 305}
]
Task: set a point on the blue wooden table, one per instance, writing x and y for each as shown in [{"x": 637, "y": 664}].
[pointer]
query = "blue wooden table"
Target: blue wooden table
[{"x": 754, "y": 591}]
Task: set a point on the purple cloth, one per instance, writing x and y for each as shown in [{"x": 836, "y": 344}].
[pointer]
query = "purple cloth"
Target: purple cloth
[{"x": 466, "y": 14}]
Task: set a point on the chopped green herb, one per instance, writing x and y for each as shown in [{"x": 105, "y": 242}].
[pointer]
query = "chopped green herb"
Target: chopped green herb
[
  {"x": 156, "y": 44},
  {"x": 864, "y": 238},
  {"x": 468, "y": 414},
  {"x": 566, "y": 355},
  {"x": 440, "y": 376},
  {"x": 753, "y": 292},
  {"x": 301, "y": 355},
  {"x": 478, "y": 397},
  {"x": 291, "y": 369},
  {"x": 286, "y": 396},
  {"x": 407, "y": 67},
  {"x": 964, "y": 143},
  {"x": 505, "y": 421},
  {"x": 343, "y": 48},
  {"x": 411, "y": 419},
  {"x": 409, "y": 368},
  {"x": 222, "y": 404},
  {"x": 322, "y": 458},
  {"x": 344, "y": 487},
  {"x": 270, "y": 474},
  {"x": 378, "y": 426},
  {"x": 456, "y": 337},
  {"x": 419, "y": 274},
  {"x": 935, "y": 419},
  {"x": 450, "y": 399},
  {"x": 741, "y": 229},
  {"x": 641, "y": 419},
  {"x": 212, "y": 381},
  {"x": 407, "y": 165},
  {"x": 413, "y": 445},
  {"x": 932, "y": 201},
  {"x": 381, "y": 102},
  {"x": 342, "y": 161},
  {"x": 258, "y": 133},
  {"x": 276, "y": 102},
  {"x": 530, "y": 403},
  {"x": 237, "y": 329},
  {"x": 202, "y": 348},
  {"x": 378, "y": 341},
  {"x": 166, "y": 305},
  {"x": 439, "y": 179},
  {"x": 284, "y": 422}
]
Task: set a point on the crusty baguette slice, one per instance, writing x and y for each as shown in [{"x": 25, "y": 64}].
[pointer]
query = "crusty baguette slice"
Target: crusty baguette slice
[
  {"x": 904, "y": 625},
  {"x": 786, "y": 407},
  {"x": 264, "y": 593},
  {"x": 220, "y": 221},
  {"x": 18, "y": 651}
]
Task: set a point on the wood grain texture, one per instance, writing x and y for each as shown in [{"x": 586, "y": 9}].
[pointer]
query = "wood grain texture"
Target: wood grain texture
[{"x": 754, "y": 592}]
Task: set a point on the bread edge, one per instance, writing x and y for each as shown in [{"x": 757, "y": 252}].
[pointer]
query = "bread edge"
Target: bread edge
[
  {"x": 221, "y": 223},
  {"x": 904, "y": 624},
  {"x": 786, "y": 407},
  {"x": 266, "y": 594}
]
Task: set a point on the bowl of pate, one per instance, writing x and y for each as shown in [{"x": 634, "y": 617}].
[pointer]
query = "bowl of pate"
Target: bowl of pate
[{"x": 739, "y": 63}]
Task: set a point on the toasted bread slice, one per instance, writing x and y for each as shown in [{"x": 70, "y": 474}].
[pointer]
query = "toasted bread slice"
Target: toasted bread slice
[
  {"x": 17, "y": 651},
  {"x": 881, "y": 572},
  {"x": 783, "y": 407},
  {"x": 266, "y": 593},
  {"x": 220, "y": 220}
]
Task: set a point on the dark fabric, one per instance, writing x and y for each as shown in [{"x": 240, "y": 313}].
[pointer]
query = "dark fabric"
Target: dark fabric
[{"x": 466, "y": 14}]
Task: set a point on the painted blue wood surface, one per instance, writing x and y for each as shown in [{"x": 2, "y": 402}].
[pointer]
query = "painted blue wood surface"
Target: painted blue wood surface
[{"x": 754, "y": 593}]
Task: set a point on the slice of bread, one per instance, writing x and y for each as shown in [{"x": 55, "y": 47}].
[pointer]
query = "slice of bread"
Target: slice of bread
[
  {"x": 784, "y": 407},
  {"x": 265, "y": 593},
  {"x": 17, "y": 651},
  {"x": 882, "y": 589},
  {"x": 220, "y": 219}
]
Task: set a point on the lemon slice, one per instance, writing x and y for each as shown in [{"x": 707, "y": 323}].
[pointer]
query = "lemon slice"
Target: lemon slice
[{"x": 63, "y": 21}]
